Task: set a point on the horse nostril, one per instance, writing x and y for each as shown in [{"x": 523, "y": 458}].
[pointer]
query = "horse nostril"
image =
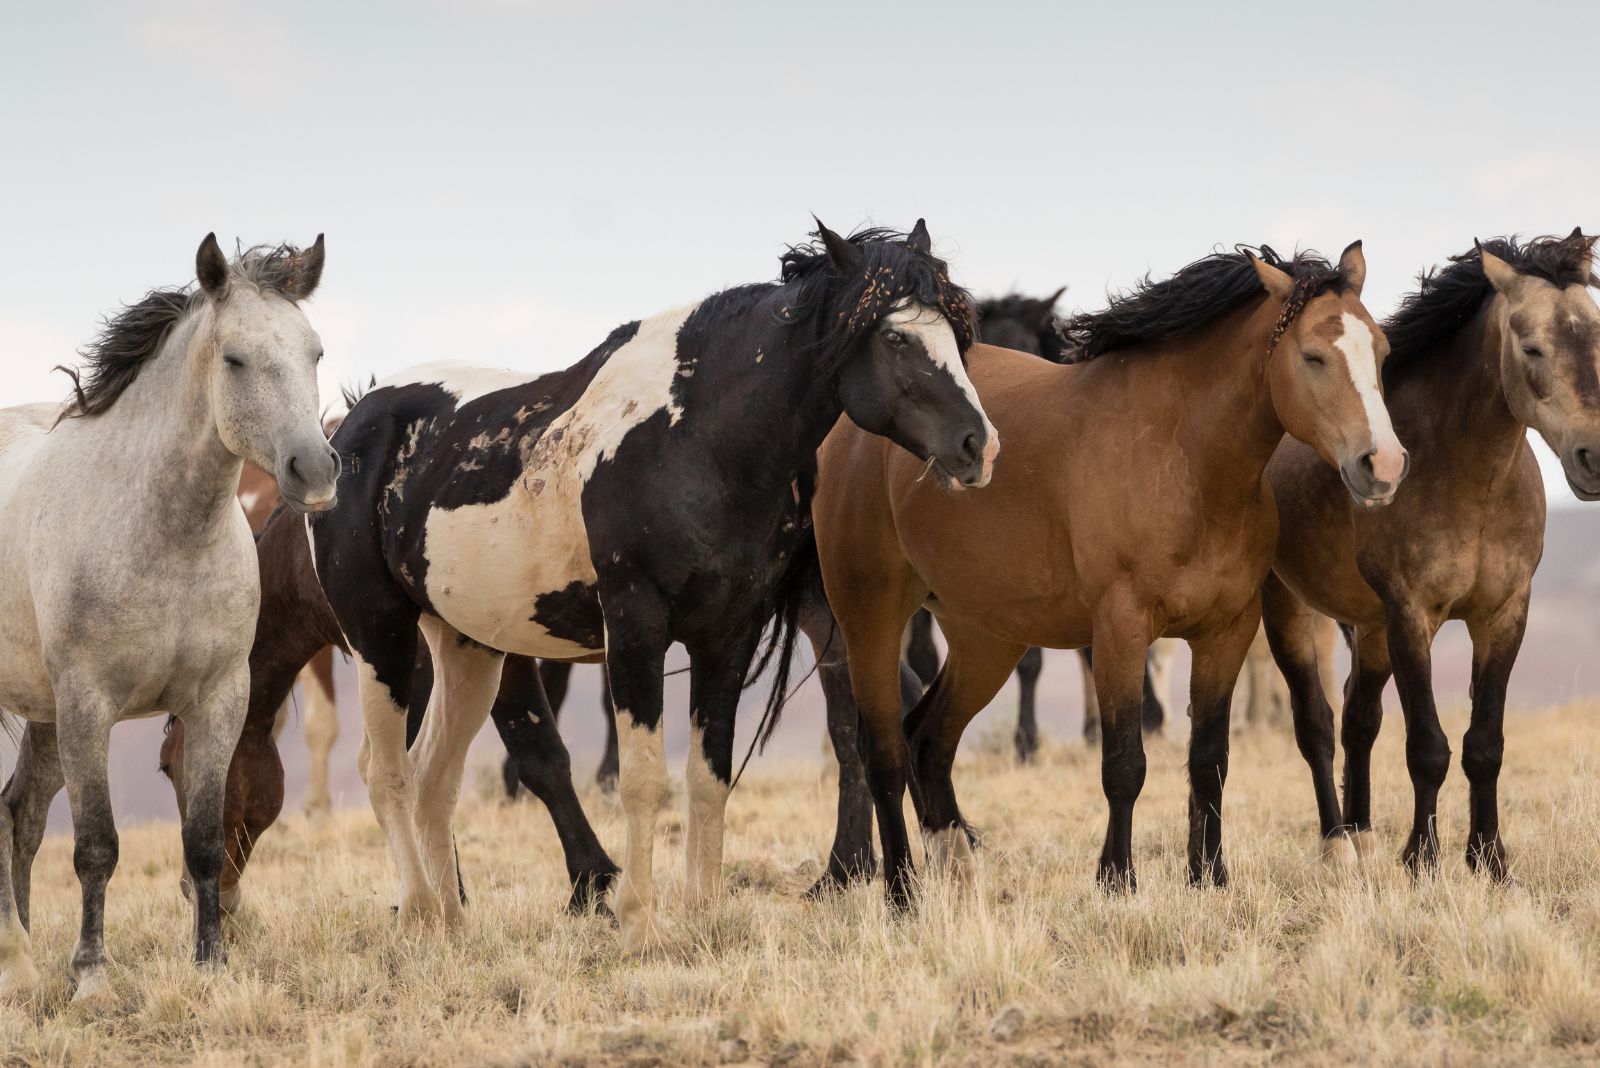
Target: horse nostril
[
  {"x": 1586, "y": 462},
  {"x": 294, "y": 467},
  {"x": 1366, "y": 465},
  {"x": 971, "y": 448}
]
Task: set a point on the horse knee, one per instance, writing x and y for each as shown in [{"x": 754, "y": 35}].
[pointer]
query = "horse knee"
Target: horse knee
[
  {"x": 1481, "y": 760},
  {"x": 1428, "y": 760},
  {"x": 95, "y": 852}
]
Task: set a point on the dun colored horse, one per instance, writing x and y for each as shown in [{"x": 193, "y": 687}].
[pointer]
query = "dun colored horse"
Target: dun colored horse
[
  {"x": 1131, "y": 504},
  {"x": 1505, "y": 338}
]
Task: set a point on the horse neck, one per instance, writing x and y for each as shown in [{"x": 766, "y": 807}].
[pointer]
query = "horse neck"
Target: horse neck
[
  {"x": 166, "y": 436},
  {"x": 1455, "y": 401},
  {"x": 784, "y": 403},
  {"x": 1226, "y": 402}
]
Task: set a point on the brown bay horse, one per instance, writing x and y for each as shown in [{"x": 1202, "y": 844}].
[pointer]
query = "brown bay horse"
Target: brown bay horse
[
  {"x": 1131, "y": 503},
  {"x": 1505, "y": 338}
]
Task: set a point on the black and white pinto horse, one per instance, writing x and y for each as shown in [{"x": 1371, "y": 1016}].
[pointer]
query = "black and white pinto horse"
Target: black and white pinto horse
[
  {"x": 128, "y": 582},
  {"x": 656, "y": 491}
]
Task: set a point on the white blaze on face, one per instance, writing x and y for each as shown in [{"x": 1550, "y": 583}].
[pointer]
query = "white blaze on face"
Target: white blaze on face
[
  {"x": 939, "y": 341},
  {"x": 1361, "y": 363}
]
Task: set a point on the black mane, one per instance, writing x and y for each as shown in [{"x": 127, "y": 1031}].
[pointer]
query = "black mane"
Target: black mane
[
  {"x": 842, "y": 309},
  {"x": 1447, "y": 298},
  {"x": 131, "y": 337},
  {"x": 1026, "y": 310},
  {"x": 1195, "y": 295}
]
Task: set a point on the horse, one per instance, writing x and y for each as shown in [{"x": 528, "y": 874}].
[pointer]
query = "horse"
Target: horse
[
  {"x": 555, "y": 675},
  {"x": 258, "y": 493},
  {"x": 656, "y": 491},
  {"x": 295, "y": 627},
  {"x": 126, "y": 584},
  {"x": 1131, "y": 504},
  {"x": 1506, "y": 337}
]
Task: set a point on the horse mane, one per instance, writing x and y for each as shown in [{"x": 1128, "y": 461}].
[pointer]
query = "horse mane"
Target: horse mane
[
  {"x": 1447, "y": 298},
  {"x": 130, "y": 338},
  {"x": 841, "y": 309},
  {"x": 1195, "y": 295}
]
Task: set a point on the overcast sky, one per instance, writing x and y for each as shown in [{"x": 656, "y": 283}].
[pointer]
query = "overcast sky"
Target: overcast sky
[{"x": 504, "y": 181}]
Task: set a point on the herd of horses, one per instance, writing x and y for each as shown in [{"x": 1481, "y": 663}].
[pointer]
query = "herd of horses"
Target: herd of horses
[{"x": 839, "y": 456}]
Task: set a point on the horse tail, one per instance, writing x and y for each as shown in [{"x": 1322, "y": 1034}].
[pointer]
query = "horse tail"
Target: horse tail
[{"x": 800, "y": 577}]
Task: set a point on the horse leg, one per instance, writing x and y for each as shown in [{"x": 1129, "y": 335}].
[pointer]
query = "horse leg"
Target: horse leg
[
  {"x": 1158, "y": 663},
  {"x": 538, "y": 758},
  {"x": 322, "y": 730},
  {"x": 921, "y": 652},
  {"x": 384, "y": 673},
  {"x": 1327, "y": 639},
  {"x": 1091, "y": 699},
  {"x": 1291, "y": 634},
  {"x": 636, "y": 645},
  {"x": 1427, "y": 748},
  {"x": 874, "y": 660},
  {"x": 1495, "y": 643},
  {"x": 253, "y": 798},
  {"x": 851, "y": 856},
  {"x": 716, "y": 675},
  {"x": 1363, "y": 718},
  {"x": 211, "y": 735},
  {"x": 466, "y": 678},
  {"x": 1027, "y": 735},
  {"x": 605, "y": 776},
  {"x": 1120, "y": 641},
  {"x": 976, "y": 665},
  {"x": 1217, "y": 660},
  {"x": 23, "y": 810},
  {"x": 553, "y": 678},
  {"x": 84, "y": 716},
  {"x": 34, "y": 784}
]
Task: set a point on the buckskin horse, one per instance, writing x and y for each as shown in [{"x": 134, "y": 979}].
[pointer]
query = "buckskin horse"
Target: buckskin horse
[
  {"x": 1131, "y": 504},
  {"x": 1505, "y": 338},
  {"x": 656, "y": 491},
  {"x": 127, "y": 586}
]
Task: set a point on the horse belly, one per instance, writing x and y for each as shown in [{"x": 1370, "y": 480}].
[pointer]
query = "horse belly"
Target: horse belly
[{"x": 515, "y": 574}]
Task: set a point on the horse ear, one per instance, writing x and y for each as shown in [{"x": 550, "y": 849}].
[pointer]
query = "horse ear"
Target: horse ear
[
  {"x": 310, "y": 273},
  {"x": 842, "y": 254},
  {"x": 1501, "y": 274},
  {"x": 1275, "y": 281},
  {"x": 1045, "y": 310},
  {"x": 918, "y": 240},
  {"x": 1353, "y": 267},
  {"x": 211, "y": 268}
]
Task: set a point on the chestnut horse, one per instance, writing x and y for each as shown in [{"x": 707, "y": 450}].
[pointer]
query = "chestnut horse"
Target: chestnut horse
[
  {"x": 1130, "y": 503},
  {"x": 1505, "y": 338}
]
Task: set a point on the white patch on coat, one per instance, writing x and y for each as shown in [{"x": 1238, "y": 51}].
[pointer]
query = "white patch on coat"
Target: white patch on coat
[
  {"x": 1361, "y": 362},
  {"x": 939, "y": 341},
  {"x": 488, "y": 564},
  {"x": 642, "y": 788},
  {"x": 708, "y": 802},
  {"x": 386, "y": 770}
]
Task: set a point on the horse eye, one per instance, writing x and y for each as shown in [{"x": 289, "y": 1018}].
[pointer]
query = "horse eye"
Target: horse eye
[
  {"x": 232, "y": 361},
  {"x": 1532, "y": 352},
  {"x": 1313, "y": 359},
  {"x": 894, "y": 337}
]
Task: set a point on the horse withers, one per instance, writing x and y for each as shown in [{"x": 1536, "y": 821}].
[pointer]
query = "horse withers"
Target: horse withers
[
  {"x": 1131, "y": 503},
  {"x": 1506, "y": 337},
  {"x": 127, "y": 576}
]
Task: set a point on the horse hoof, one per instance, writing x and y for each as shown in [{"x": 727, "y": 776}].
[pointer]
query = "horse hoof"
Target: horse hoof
[
  {"x": 1114, "y": 880},
  {"x": 92, "y": 984},
  {"x": 1489, "y": 859},
  {"x": 1339, "y": 852},
  {"x": 950, "y": 851},
  {"x": 418, "y": 910},
  {"x": 18, "y": 978}
]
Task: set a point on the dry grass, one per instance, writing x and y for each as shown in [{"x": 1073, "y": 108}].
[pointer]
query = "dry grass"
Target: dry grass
[{"x": 1290, "y": 963}]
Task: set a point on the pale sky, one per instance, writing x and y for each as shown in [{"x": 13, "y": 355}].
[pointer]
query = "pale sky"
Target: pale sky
[{"x": 504, "y": 181}]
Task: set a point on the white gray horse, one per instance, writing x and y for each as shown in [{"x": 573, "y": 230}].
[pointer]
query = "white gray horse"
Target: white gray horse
[{"x": 128, "y": 582}]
